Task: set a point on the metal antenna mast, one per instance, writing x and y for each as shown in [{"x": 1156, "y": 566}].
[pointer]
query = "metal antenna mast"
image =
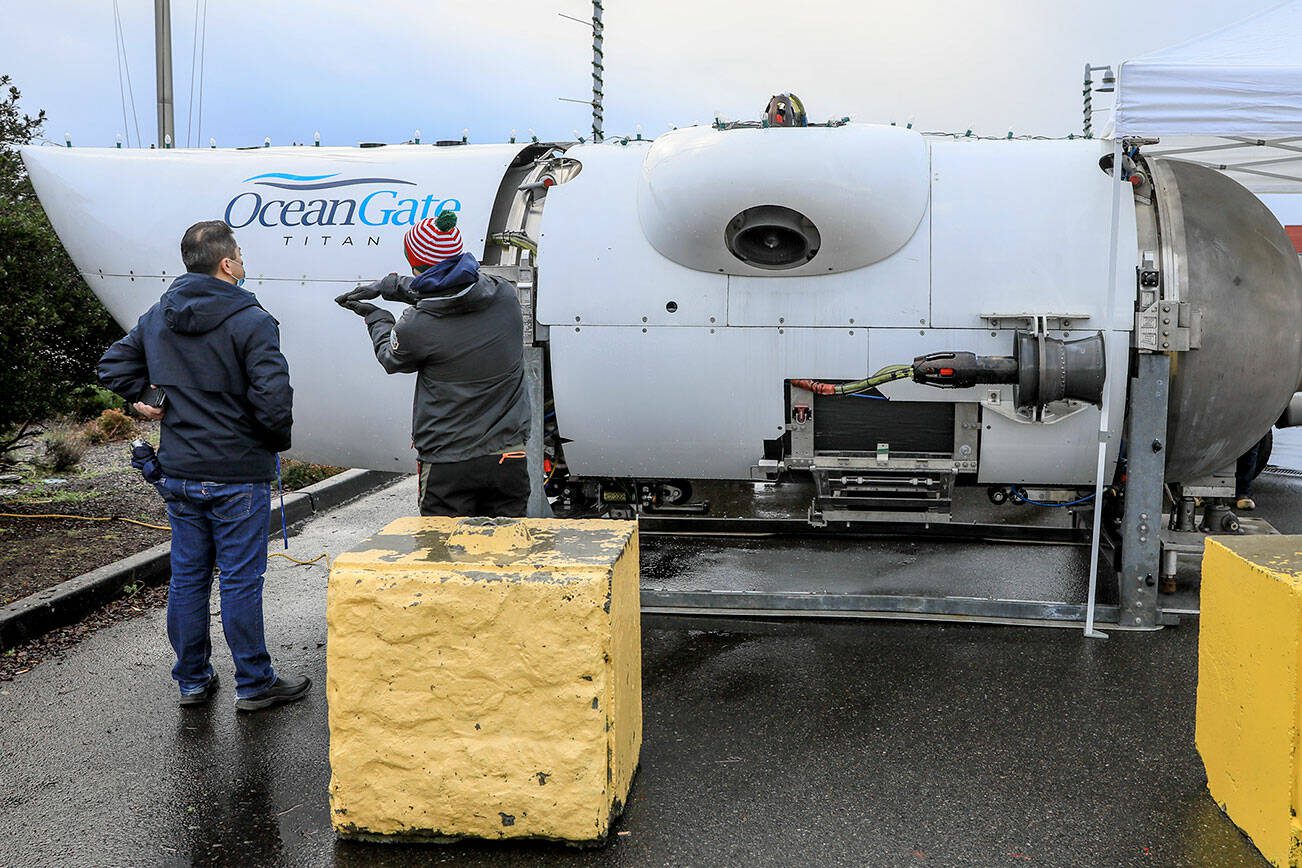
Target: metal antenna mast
[
  {"x": 163, "y": 65},
  {"x": 1088, "y": 90},
  {"x": 598, "y": 69}
]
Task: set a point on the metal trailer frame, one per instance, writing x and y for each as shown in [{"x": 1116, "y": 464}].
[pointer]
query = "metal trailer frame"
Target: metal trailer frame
[
  {"x": 1141, "y": 524},
  {"x": 1138, "y": 539}
]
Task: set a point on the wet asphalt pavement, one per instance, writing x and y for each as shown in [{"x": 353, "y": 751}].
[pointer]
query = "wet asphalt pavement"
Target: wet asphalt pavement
[{"x": 801, "y": 742}]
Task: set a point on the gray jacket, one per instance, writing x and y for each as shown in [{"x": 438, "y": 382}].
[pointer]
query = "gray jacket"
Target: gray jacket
[{"x": 465, "y": 344}]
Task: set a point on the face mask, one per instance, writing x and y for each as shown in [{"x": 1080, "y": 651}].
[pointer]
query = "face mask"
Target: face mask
[{"x": 239, "y": 282}]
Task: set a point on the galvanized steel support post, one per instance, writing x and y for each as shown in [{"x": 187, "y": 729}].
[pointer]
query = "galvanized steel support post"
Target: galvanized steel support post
[
  {"x": 533, "y": 375},
  {"x": 1141, "y": 545}
]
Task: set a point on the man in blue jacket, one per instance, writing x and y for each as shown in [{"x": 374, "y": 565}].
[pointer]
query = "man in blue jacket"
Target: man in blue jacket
[{"x": 226, "y": 412}]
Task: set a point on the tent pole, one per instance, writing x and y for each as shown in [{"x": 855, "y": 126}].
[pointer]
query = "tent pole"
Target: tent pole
[{"x": 1104, "y": 414}]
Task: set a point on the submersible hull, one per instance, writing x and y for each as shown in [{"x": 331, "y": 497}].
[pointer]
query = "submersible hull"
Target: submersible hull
[{"x": 678, "y": 286}]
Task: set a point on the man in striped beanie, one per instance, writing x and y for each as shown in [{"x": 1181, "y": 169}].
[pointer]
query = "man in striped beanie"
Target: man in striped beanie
[
  {"x": 463, "y": 335},
  {"x": 432, "y": 240}
]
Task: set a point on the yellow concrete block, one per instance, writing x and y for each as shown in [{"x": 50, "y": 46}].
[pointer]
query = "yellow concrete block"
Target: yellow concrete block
[
  {"x": 484, "y": 679},
  {"x": 1249, "y": 649}
]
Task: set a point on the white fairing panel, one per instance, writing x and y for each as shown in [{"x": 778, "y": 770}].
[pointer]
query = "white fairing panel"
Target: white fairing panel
[
  {"x": 595, "y": 266},
  {"x": 659, "y": 368},
  {"x": 863, "y": 187},
  {"x": 894, "y": 292},
  {"x": 311, "y": 222},
  {"x": 691, "y": 402},
  {"x": 1022, "y": 227},
  {"x": 641, "y": 391}
]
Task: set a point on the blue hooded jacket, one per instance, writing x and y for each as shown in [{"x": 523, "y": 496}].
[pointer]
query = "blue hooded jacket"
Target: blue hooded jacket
[{"x": 216, "y": 353}]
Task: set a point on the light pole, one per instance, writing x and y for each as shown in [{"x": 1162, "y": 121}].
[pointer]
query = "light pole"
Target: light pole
[{"x": 163, "y": 70}]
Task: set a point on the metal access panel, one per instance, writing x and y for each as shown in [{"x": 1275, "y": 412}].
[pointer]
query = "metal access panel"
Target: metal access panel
[
  {"x": 1044, "y": 212},
  {"x": 893, "y": 292},
  {"x": 685, "y": 402},
  {"x": 596, "y": 266},
  {"x": 1063, "y": 451}
]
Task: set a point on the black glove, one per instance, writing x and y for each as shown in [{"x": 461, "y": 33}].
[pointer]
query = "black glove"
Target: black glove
[
  {"x": 396, "y": 287},
  {"x": 358, "y": 307}
]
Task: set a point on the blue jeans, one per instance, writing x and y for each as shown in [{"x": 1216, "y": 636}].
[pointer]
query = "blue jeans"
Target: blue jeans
[{"x": 224, "y": 525}]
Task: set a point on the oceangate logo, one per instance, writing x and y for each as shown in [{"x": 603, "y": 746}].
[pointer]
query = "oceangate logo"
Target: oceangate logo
[{"x": 383, "y": 207}]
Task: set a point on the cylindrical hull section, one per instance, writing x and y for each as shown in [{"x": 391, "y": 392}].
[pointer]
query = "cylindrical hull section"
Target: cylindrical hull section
[{"x": 668, "y": 355}]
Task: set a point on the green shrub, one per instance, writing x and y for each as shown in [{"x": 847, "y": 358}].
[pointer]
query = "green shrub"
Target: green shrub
[
  {"x": 297, "y": 475},
  {"x": 52, "y": 328},
  {"x": 88, "y": 402},
  {"x": 63, "y": 451},
  {"x": 109, "y": 426}
]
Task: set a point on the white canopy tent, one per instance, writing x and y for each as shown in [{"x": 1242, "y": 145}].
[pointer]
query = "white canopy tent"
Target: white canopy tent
[{"x": 1230, "y": 99}]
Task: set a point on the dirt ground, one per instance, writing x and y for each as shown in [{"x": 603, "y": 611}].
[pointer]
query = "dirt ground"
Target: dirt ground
[{"x": 38, "y": 553}]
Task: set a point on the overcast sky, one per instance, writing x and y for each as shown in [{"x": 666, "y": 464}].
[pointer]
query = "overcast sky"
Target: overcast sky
[{"x": 381, "y": 69}]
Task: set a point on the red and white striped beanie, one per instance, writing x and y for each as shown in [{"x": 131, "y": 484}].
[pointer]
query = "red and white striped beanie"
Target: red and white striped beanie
[{"x": 433, "y": 240}]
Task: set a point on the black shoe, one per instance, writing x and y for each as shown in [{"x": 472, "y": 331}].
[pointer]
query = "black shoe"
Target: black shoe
[
  {"x": 282, "y": 690},
  {"x": 202, "y": 697}
]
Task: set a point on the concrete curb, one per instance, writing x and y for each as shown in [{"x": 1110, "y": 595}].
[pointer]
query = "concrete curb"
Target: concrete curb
[{"x": 66, "y": 602}]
